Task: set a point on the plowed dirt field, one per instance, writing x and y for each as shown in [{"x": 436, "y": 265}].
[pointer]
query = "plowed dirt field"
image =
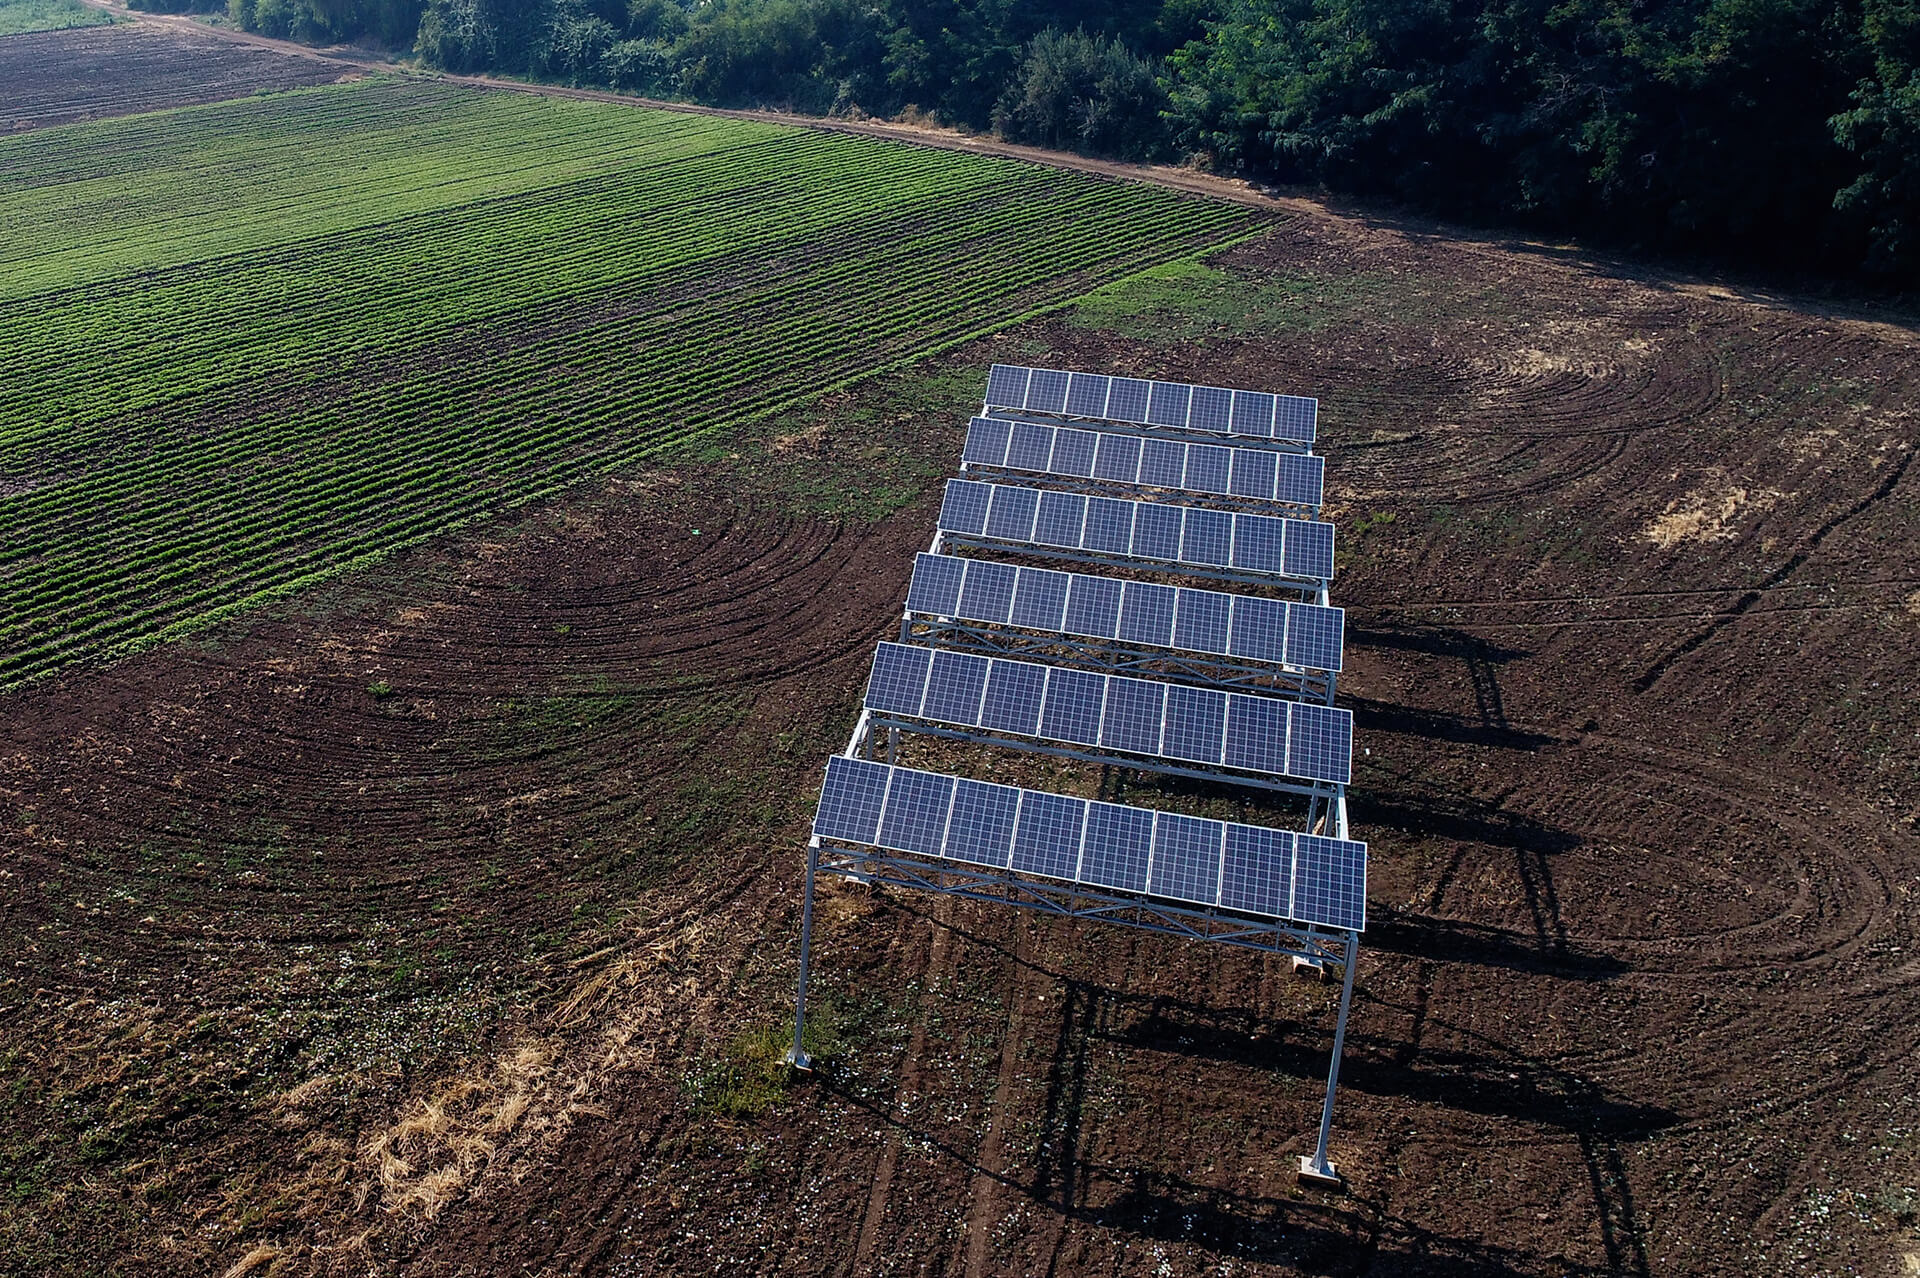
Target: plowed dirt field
[{"x": 441, "y": 921}]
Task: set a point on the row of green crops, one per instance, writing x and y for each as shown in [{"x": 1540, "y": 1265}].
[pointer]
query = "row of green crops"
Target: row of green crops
[
  {"x": 20, "y": 16},
  {"x": 246, "y": 346}
]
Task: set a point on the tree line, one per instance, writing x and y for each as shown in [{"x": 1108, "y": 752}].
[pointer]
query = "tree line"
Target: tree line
[{"x": 1784, "y": 133}]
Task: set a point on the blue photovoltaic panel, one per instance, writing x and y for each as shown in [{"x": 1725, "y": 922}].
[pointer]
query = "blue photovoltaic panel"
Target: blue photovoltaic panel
[
  {"x": 1163, "y": 463},
  {"x": 1186, "y": 857},
  {"x": 1087, "y": 395},
  {"x": 1265, "y": 544},
  {"x": 1201, "y": 620},
  {"x": 1146, "y": 615},
  {"x": 1320, "y": 744},
  {"x": 916, "y": 812},
  {"x": 1063, "y": 520},
  {"x": 1257, "y": 873},
  {"x": 899, "y": 679},
  {"x": 850, "y": 800},
  {"x": 1135, "y": 710},
  {"x": 1315, "y": 636},
  {"x": 1014, "y": 691},
  {"x": 1093, "y": 606},
  {"x": 1109, "y": 526},
  {"x": 1259, "y": 630},
  {"x": 1252, "y": 413},
  {"x": 1119, "y": 841},
  {"x": 1011, "y": 514},
  {"x": 1030, "y": 447},
  {"x": 964, "y": 509},
  {"x": 1256, "y": 734},
  {"x": 1299, "y": 480},
  {"x": 1196, "y": 724},
  {"x": 1076, "y": 700},
  {"x": 935, "y": 588},
  {"x": 1173, "y": 404},
  {"x": 981, "y": 828},
  {"x": 1040, "y": 599},
  {"x": 1127, "y": 399},
  {"x": 988, "y": 592},
  {"x": 1253, "y": 473},
  {"x": 1156, "y": 531},
  {"x": 1211, "y": 409},
  {"x": 986, "y": 441},
  {"x": 1047, "y": 838},
  {"x": 1007, "y": 386},
  {"x": 1082, "y": 707},
  {"x": 1267, "y": 630},
  {"x": 955, "y": 685},
  {"x": 1118, "y": 459},
  {"x": 1207, "y": 537},
  {"x": 1167, "y": 404},
  {"x": 1073, "y": 452},
  {"x": 1295, "y": 418},
  {"x": 1047, "y": 391},
  {"x": 1309, "y": 549},
  {"x": 1209, "y": 468},
  {"x": 1250, "y": 869},
  {"x": 1330, "y": 882}
]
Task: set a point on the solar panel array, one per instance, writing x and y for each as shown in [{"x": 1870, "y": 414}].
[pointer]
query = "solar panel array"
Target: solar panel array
[
  {"x": 1294, "y": 479},
  {"x": 1175, "y": 405},
  {"x": 1277, "y": 631},
  {"x": 1269, "y": 545},
  {"x": 1166, "y": 721},
  {"x": 1272, "y": 873},
  {"x": 1285, "y": 737}
]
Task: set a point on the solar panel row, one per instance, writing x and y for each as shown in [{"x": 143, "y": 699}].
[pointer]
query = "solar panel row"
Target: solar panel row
[
  {"x": 1164, "y": 721},
  {"x": 1178, "y": 617},
  {"x": 1295, "y": 479},
  {"x": 1272, "y": 873},
  {"x": 1301, "y": 549},
  {"x": 1176, "y": 405}
]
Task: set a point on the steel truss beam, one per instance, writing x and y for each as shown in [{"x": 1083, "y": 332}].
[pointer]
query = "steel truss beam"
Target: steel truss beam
[
  {"x": 1310, "y": 589},
  {"x": 1114, "y": 657},
  {"x": 1127, "y": 490},
  {"x": 1108, "y": 426}
]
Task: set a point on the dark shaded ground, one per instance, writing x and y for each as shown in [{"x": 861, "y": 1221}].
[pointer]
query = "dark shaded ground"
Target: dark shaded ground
[
  {"x": 59, "y": 77},
  {"x": 1632, "y": 649}
]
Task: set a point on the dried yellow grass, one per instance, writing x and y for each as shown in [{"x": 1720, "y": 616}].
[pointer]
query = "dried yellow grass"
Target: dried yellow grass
[{"x": 263, "y": 1254}]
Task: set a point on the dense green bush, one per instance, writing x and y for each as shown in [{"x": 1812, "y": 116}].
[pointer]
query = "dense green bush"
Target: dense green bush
[{"x": 1780, "y": 132}]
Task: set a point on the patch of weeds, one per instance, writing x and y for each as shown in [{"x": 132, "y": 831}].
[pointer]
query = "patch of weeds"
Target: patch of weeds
[
  {"x": 749, "y": 1078},
  {"x": 1187, "y": 301},
  {"x": 380, "y": 689}
]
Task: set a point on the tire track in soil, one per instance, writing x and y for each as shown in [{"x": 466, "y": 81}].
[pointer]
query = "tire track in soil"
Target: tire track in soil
[
  {"x": 1658, "y": 670},
  {"x": 938, "y": 970}
]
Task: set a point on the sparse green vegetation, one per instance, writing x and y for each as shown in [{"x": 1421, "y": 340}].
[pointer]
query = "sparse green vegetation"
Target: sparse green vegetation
[
  {"x": 20, "y": 16},
  {"x": 353, "y": 318}
]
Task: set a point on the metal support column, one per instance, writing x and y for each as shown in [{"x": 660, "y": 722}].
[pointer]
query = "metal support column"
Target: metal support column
[
  {"x": 797, "y": 1057},
  {"x": 1315, "y": 1167}
]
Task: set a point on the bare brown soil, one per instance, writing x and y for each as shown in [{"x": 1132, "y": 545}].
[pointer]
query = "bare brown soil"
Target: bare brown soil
[
  {"x": 59, "y": 77},
  {"x": 415, "y": 929}
]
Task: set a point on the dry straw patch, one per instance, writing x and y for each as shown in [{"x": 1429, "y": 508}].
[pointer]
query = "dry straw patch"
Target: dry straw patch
[
  {"x": 445, "y": 1140},
  {"x": 1708, "y": 513}
]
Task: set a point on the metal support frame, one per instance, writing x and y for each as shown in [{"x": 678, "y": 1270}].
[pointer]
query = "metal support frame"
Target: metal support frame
[
  {"x": 1204, "y": 670},
  {"x": 1309, "y": 589},
  {"x": 1326, "y": 807},
  {"x": 1135, "y": 490},
  {"x": 1146, "y": 430}
]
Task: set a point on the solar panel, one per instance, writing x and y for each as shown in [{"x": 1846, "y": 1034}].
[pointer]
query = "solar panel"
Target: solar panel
[
  {"x": 1177, "y": 405},
  {"x": 1296, "y": 479},
  {"x": 1276, "y": 631},
  {"x": 1251, "y": 869},
  {"x": 1249, "y": 733},
  {"x": 1269, "y": 545}
]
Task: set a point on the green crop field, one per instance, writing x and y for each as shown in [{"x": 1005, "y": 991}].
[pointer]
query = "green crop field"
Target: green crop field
[
  {"x": 248, "y": 345},
  {"x": 18, "y": 16}
]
